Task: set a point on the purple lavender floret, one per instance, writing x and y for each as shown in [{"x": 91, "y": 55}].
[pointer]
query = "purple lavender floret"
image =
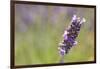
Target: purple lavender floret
[{"x": 70, "y": 34}]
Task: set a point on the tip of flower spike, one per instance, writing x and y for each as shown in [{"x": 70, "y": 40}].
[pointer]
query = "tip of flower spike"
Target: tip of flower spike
[
  {"x": 78, "y": 19},
  {"x": 74, "y": 17},
  {"x": 83, "y": 20}
]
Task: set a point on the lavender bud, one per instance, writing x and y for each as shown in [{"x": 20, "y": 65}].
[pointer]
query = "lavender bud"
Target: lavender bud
[
  {"x": 74, "y": 18},
  {"x": 75, "y": 43},
  {"x": 65, "y": 35}
]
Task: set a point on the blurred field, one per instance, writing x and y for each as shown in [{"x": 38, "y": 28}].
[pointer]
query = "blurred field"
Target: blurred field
[{"x": 39, "y": 29}]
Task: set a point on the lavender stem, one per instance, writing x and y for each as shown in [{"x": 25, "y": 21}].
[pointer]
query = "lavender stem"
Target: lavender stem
[{"x": 62, "y": 59}]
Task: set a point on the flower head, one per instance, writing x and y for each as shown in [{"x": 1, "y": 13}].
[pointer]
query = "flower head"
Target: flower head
[{"x": 70, "y": 34}]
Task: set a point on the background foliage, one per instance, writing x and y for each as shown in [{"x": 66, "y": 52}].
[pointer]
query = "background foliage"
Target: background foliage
[{"x": 39, "y": 29}]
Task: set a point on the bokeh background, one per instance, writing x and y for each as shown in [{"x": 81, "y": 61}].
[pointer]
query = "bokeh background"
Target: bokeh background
[{"x": 39, "y": 29}]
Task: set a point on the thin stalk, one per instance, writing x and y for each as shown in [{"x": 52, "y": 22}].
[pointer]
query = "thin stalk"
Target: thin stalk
[{"x": 62, "y": 59}]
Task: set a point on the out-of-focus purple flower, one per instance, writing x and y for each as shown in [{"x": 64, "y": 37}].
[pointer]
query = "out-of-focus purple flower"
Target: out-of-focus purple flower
[{"x": 70, "y": 34}]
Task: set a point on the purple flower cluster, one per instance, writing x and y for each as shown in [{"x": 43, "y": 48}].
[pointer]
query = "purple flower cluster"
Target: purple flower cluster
[{"x": 70, "y": 34}]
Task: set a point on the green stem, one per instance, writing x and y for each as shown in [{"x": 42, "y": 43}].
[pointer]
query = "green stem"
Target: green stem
[{"x": 62, "y": 59}]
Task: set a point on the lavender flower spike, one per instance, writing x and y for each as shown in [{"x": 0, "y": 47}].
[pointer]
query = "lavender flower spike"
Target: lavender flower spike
[{"x": 69, "y": 36}]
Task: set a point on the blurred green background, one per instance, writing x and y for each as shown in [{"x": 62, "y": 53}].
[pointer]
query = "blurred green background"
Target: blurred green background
[{"x": 39, "y": 29}]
